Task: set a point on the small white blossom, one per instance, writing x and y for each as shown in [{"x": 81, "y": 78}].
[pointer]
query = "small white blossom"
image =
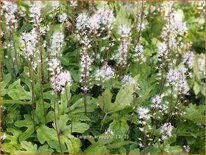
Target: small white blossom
[
  {"x": 56, "y": 43},
  {"x": 177, "y": 78},
  {"x": 124, "y": 31},
  {"x": 104, "y": 73},
  {"x": 143, "y": 113},
  {"x": 73, "y": 3},
  {"x": 157, "y": 99},
  {"x": 63, "y": 18},
  {"x": 35, "y": 12},
  {"x": 186, "y": 148},
  {"x": 85, "y": 69},
  {"x": 54, "y": 66},
  {"x": 127, "y": 79},
  {"x": 188, "y": 58},
  {"x": 122, "y": 53},
  {"x": 166, "y": 130},
  {"x": 138, "y": 53},
  {"x": 59, "y": 81}
]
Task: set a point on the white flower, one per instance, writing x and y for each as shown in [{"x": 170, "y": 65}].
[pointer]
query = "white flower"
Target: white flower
[
  {"x": 56, "y": 43},
  {"x": 128, "y": 79},
  {"x": 106, "y": 17},
  {"x": 44, "y": 29},
  {"x": 124, "y": 31},
  {"x": 9, "y": 7},
  {"x": 104, "y": 73},
  {"x": 73, "y": 3},
  {"x": 166, "y": 130},
  {"x": 59, "y": 81},
  {"x": 186, "y": 148},
  {"x": 157, "y": 99},
  {"x": 85, "y": 64},
  {"x": 162, "y": 49},
  {"x": 122, "y": 52},
  {"x": 54, "y": 66},
  {"x": 29, "y": 41},
  {"x": 81, "y": 21},
  {"x": 35, "y": 12},
  {"x": 143, "y": 113},
  {"x": 188, "y": 58},
  {"x": 55, "y": 5},
  {"x": 63, "y": 17},
  {"x": 94, "y": 22},
  {"x": 176, "y": 78},
  {"x": 138, "y": 53}
]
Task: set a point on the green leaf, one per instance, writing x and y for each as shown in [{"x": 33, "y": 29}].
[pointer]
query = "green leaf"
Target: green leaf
[
  {"x": 195, "y": 113},
  {"x": 196, "y": 88},
  {"x": 73, "y": 144},
  {"x": 118, "y": 144},
  {"x": 17, "y": 92},
  {"x": 49, "y": 135},
  {"x": 173, "y": 149},
  {"x": 12, "y": 145},
  {"x": 29, "y": 148},
  {"x": 96, "y": 148},
  {"x": 119, "y": 128},
  {"x": 28, "y": 123},
  {"x": 123, "y": 99},
  {"x": 65, "y": 97}
]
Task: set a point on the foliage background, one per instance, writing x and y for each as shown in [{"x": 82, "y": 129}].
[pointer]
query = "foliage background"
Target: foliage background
[{"x": 90, "y": 132}]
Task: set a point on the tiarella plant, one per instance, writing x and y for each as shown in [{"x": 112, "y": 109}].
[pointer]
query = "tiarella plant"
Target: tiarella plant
[{"x": 102, "y": 77}]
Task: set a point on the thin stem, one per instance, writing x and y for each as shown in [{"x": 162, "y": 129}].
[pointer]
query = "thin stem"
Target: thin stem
[
  {"x": 85, "y": 102},
  {"x": 41, "y": 71},
  {"x": 31, "y": 75},
  {"x": 33, "y": 95},
  {"x": 69, "y": 110},
  {"x": 144, "y": 139},
  {"x": 141, "y": 20},
  {"x": 11, "y": 63},
  {"x": 15, "y": 50},
  {"x": 134, "y": 107},
  {"x": 55, "y": 122},
  {"x": 105, "y": 115}
]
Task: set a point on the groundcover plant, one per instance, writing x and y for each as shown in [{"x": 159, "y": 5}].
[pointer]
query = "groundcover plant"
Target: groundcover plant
[{"x": 102, "y": 77}]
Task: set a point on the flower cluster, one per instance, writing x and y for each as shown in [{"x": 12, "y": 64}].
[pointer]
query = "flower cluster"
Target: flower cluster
[
  {"x": 10, "y": 9},
  {"x": 63, "y": 18},
  {"x": 166, "y": 131},
  {"x": 128, "y": 79},
  {"x": 188, "y": 59},
  {"x": 56, "y": 43},
  {"x": 143, "y": 114},
  {"x": 61, "y": 80},
  {"x": 85, "y": 69},
  {"x": 104, "y": 73},
  {"x": 29, "y": 42},
  {"x": 35, "y": 12},
  {"x": 122, "y": 52},
  {"x": 186, "y": 148},
  {"x": 177, "y": 79},
  {"x": 138, "y": 53},
  {"x": 97, "y": 23},
  {"x": 158, "y": 104},
  {"x": 59, "y": 77}
]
